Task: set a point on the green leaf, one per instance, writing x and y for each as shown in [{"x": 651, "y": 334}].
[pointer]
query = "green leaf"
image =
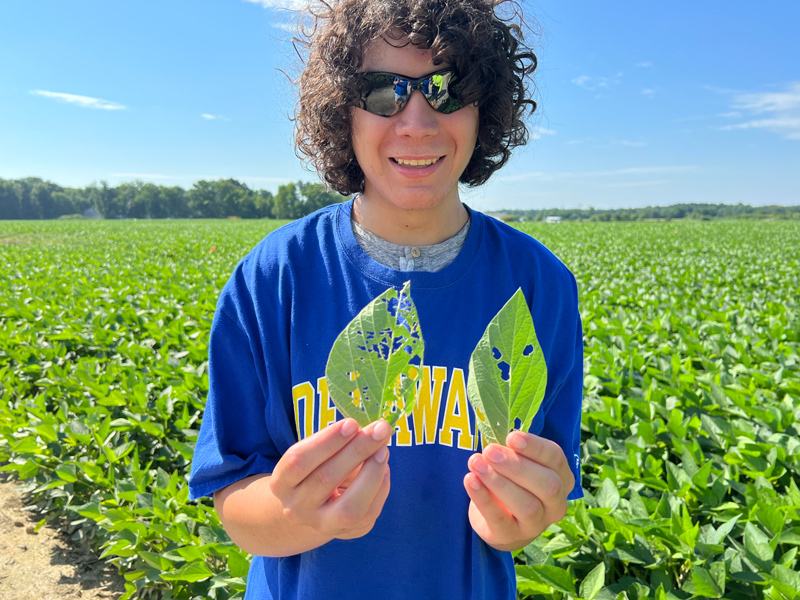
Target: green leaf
[
  {"x": 757, "y": 546},
  {"x": 593, "y": 582},
  {"x": 608, "y": 495},
  {"x": 556, "y": 577},
  {"x": 67, "y": 472},
  {"x": 376, "y": 361},
  {"x": 195, "y": 571},
  {"x": 507, "y": 372},
  {"x": 711, "y": 582},
  {"x": 787, "y": 580},
  {"x": 238, "y": 565}
]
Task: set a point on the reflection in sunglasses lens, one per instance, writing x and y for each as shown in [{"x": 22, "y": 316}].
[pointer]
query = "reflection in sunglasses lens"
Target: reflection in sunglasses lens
[{"x": 388, "y": 93}]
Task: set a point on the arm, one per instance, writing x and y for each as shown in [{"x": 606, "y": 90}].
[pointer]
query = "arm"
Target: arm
[{"x": 332, "y": 484}]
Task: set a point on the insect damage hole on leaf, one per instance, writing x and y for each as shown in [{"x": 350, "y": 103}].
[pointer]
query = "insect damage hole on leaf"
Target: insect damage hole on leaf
[
  {"x": 384, "y": 342},
  {"x": 507, "y": 372}
]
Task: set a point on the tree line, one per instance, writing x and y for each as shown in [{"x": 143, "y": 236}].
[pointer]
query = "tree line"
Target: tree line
[
  {"x": 698, "y": 212},
  {"x": 34, "y": 198}
]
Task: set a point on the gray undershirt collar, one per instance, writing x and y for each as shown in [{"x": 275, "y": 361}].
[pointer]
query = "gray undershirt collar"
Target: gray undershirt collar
[{"x": 410, "y": 258}]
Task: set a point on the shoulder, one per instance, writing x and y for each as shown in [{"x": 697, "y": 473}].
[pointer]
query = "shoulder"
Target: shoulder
[
  {"x": 297, "y": 247},
  {"x": 307, "y": 234},
  {"x": 522, "y": 249}
]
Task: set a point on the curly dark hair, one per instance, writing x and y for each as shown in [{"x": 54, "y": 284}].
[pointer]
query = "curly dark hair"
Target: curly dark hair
[{"x": 493, "y": 63}]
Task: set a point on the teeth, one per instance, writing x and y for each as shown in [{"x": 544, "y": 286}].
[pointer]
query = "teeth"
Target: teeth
[{"x": 416, "y": 163}]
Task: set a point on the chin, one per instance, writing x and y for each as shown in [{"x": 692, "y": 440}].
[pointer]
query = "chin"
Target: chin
[{"x": 421, "y": 200}]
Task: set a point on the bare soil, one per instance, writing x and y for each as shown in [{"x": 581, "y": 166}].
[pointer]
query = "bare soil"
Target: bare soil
[{"x": 45, "y": 565}]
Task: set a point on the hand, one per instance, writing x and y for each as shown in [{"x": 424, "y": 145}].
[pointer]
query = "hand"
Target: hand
[
  {"x": 336, "y": 480},
  {"x": 516, "y": 492}
]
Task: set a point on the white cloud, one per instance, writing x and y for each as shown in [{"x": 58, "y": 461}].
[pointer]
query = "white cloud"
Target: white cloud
[
  {"x": 209, "y": 117},
  {"x": 291, "y": 4},
  {"x": 770, "y": 101},
  {"x": 788, "y": 127},
  {"x": 82, "y": 101},
  {"x": 596, "y": 83},
  {"x": 779, "y": 112},
  {"x": 542, "y": 131},
  {"x": 645, "y": 64},
  {"x": 648, "y": 92},
  {"x": 582, "y": 80}
]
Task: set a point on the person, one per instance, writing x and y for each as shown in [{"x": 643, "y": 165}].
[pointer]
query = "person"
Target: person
[
  {"x": 419, "y": 510},
  {"x": 400, "y": 93}
]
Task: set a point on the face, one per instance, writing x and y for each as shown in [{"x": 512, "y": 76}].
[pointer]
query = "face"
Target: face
[{"x": 413, "y": 159}]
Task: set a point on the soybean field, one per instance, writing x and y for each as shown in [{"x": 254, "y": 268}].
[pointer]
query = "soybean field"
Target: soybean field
[{"x": 691, "y": 442}]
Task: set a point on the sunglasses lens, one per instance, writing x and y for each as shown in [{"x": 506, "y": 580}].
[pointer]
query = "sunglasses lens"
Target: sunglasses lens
[
  {"x": 381, "y": 98},
  {"x": 388, "y": 93},
  {"x": 442, "y": 97}
]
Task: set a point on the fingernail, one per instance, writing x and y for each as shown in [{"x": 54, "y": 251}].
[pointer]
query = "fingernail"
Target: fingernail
[
  {"x": 495, "y": 455},
  {"x": 517, "y": 442},
  {"x": 381, "y": 455},
  {"x": 474, "y": 483},
  {"x": 381, "y": 430},
  {"x": 480, "y": 466},
  {"x": 349, "y": 428}
]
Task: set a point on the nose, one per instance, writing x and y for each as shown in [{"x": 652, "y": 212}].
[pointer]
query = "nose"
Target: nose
[{"x": 417, "y": 119}]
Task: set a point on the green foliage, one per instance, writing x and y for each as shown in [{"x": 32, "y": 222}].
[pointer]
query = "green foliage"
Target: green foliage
[
  {"x": 507, "y": 372},
  {"x": 375, "y": 363},
  {"x": 691, "y": 452},
  {"x": 691, "y": 455},
  {"x": 103, "y": 358}
]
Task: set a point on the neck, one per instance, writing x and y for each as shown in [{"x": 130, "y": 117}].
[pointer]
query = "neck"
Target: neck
[{"x": 408, "y": 227}]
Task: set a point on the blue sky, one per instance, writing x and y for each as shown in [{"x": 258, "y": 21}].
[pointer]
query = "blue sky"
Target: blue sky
[{"x": 641, "y": 103}]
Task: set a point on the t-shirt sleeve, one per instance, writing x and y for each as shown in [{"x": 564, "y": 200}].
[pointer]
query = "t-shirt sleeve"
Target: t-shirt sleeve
[
  {"x": 234, "y": 441},
  {"x": 563, "y": 405},
  {"x": 563, "y": 420}
]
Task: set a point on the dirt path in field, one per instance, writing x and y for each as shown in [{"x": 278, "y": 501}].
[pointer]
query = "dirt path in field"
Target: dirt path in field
[{"x": 43, "y": 565}]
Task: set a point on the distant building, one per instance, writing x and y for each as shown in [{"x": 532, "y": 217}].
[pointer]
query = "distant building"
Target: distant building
[{"x": 552, "y": 219}]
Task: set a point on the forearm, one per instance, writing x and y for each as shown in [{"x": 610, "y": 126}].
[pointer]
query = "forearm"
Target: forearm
[{"x": 253, "y": 518}]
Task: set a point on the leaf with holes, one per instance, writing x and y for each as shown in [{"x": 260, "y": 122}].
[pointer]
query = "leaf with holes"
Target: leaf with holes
[
  {"x": 507, "y": 372},
  {"x": 376, "y": 361}
]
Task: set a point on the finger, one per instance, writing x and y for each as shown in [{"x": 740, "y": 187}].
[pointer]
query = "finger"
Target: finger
[
  {"x": 544, "y": 483},
  {"x": 541, "y": 450},
  {"x": 522, "y": 504},
  {"x": 353, "y": 504},
  {"x": 320, "y": 484},
  {"x": 496, "y": 516},
  {"x": 302, "y": 458},
  {"x": 360, "y": 505},
  {"x": 349, "y": 479}
]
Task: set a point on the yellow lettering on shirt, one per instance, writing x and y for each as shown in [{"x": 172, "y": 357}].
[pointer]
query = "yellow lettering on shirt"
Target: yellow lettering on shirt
[
  {"x": 456, "y": 414},
  {"x": 327, "y": 410},
  {"x": 402, "y": 432},
  {"x": 305, "y": 392},
  {"x": 426, "y": 410}
]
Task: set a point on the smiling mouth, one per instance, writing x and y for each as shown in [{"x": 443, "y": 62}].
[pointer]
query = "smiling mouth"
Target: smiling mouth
[{"x": 419, "y": 163}]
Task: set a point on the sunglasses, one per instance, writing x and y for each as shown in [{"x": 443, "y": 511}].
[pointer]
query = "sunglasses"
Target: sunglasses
[{"x": 386, "y": 94}]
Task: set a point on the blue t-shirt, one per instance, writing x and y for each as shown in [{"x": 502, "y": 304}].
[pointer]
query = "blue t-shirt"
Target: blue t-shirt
[{"x": 274, "y": 326}]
